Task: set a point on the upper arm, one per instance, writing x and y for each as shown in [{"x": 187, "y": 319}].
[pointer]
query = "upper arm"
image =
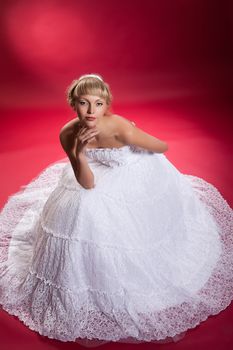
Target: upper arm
[
  {"x": 68, "y": 147},
  {"x": 129, "y": 134}
]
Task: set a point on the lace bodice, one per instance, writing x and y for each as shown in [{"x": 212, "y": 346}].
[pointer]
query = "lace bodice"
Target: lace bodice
[{"x": 115, "y": 156}]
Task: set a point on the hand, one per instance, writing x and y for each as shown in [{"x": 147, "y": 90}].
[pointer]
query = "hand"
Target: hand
[{"x": 84, "y": 136}]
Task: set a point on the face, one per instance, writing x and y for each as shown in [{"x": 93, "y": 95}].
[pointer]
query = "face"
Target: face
[{"x": 91, "y": 106}]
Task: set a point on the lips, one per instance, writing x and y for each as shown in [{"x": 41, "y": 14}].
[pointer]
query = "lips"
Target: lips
[{"x": 90, "y": 118}]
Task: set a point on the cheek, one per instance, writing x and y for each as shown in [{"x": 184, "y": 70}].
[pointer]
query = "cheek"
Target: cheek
[
  {"x": 103, "y": 109},
  {"x": 81, "y": 108}
]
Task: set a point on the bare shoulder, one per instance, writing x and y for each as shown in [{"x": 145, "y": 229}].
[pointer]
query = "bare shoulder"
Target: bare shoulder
[
  {"x": 69, "y": 126},
  {"x": 119, "y": 119},
  {"x": 67, "y": 133},
  {"x": 119, "y": 122},
  {"x": 129, "y": 133}
]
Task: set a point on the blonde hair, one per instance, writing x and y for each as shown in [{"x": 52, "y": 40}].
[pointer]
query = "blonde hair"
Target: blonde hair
[{"x": 92, "y": 84}]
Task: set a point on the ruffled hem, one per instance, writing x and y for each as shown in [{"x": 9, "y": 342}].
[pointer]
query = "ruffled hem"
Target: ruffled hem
[{"x": 43, "y": 308}]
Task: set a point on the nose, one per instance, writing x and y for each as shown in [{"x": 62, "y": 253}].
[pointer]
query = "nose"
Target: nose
[{"x": 90, "y": 109}]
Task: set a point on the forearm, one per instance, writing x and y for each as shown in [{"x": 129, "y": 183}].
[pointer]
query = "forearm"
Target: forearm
[{"x": 83, "y": 174}]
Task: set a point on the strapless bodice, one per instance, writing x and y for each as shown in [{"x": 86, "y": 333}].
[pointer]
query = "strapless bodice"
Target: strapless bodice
[{"x": 114, "y": 156}]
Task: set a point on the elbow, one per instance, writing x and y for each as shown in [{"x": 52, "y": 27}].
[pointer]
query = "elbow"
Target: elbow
[
  {"x": 89, "y": 187},
  {"x": 165, "y": 147},
  {"x": 85, "y": 185}
]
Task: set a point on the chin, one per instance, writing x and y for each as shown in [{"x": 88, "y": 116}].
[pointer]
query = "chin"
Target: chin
[{"x": 90, "y": 122}]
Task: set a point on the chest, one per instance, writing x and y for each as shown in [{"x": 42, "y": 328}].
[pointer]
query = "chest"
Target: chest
[{"x": 105, "y": 141}]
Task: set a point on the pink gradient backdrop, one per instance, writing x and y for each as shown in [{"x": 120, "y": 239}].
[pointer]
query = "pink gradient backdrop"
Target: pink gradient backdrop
[{"x": 147, "y": 50}]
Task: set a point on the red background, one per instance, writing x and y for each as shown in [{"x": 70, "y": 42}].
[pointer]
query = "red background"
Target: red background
[
  {"x": 169, "y": 66},
  {"x": 147, "y": 50}
]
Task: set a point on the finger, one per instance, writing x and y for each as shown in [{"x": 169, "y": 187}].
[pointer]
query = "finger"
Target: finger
[
  {"x": 88, "y": 132},
  {"x": 82, "y": 130},
  {"x": 90, "y": 135},
  {"x": 91, "y": 130}
]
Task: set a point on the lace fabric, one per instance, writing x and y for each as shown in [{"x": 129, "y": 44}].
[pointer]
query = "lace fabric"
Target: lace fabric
[{"x": 142, "y": 257}]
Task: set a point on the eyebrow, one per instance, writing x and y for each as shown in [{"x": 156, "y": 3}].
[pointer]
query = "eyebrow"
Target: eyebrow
[{"x": 82, "y": 98}]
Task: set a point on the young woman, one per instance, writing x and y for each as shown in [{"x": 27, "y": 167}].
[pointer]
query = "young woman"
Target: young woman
[{"x": 113, "y": 243}]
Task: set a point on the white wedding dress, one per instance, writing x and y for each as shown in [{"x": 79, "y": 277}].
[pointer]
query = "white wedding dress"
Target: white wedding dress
[{"x": 143, "y": 256}]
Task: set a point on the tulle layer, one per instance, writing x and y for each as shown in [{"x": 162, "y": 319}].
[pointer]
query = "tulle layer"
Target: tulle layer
[{"x": 99, "y": 306}]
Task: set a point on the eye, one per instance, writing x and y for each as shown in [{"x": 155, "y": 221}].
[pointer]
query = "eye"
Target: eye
[
  {"x": 100, "y": 103},
  {"x": 81, "y": 102}
]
